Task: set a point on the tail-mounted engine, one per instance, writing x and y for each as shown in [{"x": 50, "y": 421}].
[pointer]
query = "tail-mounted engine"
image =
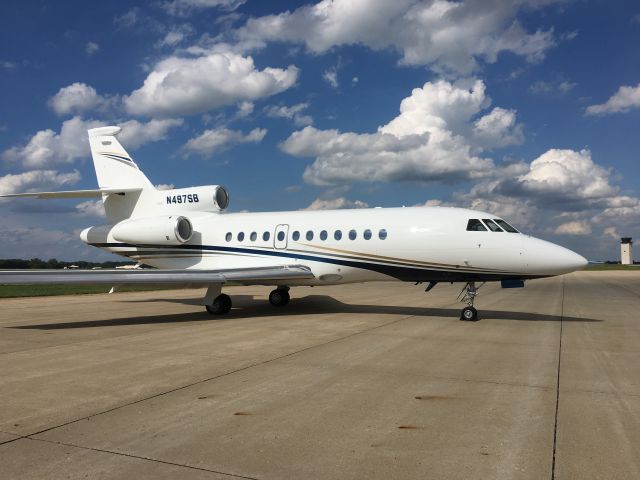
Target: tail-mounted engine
[
  {"x": 169, "y": 230},
  {"x": 210, "y": 198},
  {"x": 164, "y": 230}
]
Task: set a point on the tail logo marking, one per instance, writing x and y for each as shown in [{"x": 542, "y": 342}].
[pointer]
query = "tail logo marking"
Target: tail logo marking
[{"x": 115, "y": 156}]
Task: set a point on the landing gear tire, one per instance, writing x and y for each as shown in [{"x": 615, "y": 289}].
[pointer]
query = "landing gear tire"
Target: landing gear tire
[
  {"x": 220, "y": 306},
  {"x": 279, "y": 297},
  {"x": 469, "y": 314}
]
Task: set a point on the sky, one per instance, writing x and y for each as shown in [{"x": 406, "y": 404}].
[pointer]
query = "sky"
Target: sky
[{"x": 526, "y": 109}]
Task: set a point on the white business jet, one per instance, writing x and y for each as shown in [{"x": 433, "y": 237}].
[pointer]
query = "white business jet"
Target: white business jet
[{"x": 187, "y": 235}]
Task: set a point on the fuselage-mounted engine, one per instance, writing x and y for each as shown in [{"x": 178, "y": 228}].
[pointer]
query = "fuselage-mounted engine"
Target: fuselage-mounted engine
[
  {"x": 163, "y": 230},
  {"x": 162, "y": 217},
  {"x": 210, "y": 198}
]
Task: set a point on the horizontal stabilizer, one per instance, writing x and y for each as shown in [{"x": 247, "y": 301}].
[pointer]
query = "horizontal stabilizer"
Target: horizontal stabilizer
[
  {"x": 75, "y": 193},
  {"x": 148, "y": 276}
]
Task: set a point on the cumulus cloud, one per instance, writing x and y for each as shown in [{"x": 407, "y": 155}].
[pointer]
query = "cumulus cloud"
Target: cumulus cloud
[
  {"x": 217, "y": 139},
  {"x": 23, "y": 242},
  {"x": 186, "y": 85},
  {"x": 612, "y": 232},
  {"x": 165, "y": 186},
  {"x": 562, "y": 191},
  {"x": 47, "y": 147},
  {"x": 37, "y": 181},
  {"x": 566, "y": 175},
  {"x": 6, "y": 65},
  {"x": 433, "y": 138},
  {"x": 245, "y": 109},
  {"x": 498, "y": 129},
  {"x": 577, "y": 227},
  {"x": 293, "y": 113},
  {"x": 91, "y": 208},
  {"x": 622, "y": 101},
  {"x": 176, "y": 35},
  {"x": 77, "y": 98},
  {"x": 91, "y": 48},
  {"x": 187, "y": 7},
  {"x": 542, "y": 87},
  {"x": 331, "y": 77},
  {"x": 447, "y": 35},
  {"x": 335, "y": 204},
  {"x": 134, "y": 134}
]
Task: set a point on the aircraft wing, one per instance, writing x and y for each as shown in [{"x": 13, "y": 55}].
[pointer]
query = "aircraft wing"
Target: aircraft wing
[
  {"x": 149, "y": 276},
  {"x": 75, "y": 193}
]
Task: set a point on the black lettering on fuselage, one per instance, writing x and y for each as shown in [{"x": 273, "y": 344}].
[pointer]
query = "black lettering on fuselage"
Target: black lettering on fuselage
[{"x": 186, "y": 198}]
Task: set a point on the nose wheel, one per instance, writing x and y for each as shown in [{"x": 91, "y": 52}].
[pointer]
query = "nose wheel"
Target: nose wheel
[
  {"x": 468, "y": 293},
  {"x": 469, "y": 314}
]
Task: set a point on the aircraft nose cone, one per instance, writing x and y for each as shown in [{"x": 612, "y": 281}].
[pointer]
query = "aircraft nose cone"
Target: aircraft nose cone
[
  {"x": 573, "y": 261},
  {"x": 546, "y": 258}
]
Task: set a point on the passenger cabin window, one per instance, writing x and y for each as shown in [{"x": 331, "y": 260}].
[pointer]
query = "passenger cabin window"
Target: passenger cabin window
[
  {"x": 382, "y": 234},
  {"x": 296, "y": 236},
  {"x": 266, "y": 236},
  {"x": 228, "y": 237},
  {"x": 241, "y": 236},
  {"x": 506, "y": 226},
  {"x": 323, "y": 235},
  {"x": 337, "y": 234},
  {"x": 352, "y": 234},
  {"x": 253, "y": 236},
  {"x": 492, "y": 225},
  {"x": 280, "y": 236},
  {"x": 367, "y": 234},
  {"x": 309, "y": 235},
  {"x": 475, "y": 225}
]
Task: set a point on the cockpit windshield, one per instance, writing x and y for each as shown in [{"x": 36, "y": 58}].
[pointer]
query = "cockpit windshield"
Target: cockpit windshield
[
  {"x": 505, "y": 226},
  {"x": 475, "y": 225},
  {"x": 489, "y": 224}
]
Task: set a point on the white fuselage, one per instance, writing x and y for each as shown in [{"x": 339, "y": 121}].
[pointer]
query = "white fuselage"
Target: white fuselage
[{"x": 421, "y": 244}]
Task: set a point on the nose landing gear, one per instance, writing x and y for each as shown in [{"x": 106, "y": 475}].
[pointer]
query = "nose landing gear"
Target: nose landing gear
[{"x": 468, "y": 294}]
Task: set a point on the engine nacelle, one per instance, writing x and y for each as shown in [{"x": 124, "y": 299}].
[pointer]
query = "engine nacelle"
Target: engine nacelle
[
  {"x": 209, "y": 198},
  {"x": 165, "y": 230}
]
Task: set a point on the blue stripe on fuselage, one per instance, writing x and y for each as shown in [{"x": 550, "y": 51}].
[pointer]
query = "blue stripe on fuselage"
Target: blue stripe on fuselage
[{"x": 407, "y": 273}]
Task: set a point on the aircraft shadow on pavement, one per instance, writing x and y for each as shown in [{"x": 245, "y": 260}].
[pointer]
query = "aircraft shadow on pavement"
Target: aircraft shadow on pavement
[{"x": 246, "y": 306}]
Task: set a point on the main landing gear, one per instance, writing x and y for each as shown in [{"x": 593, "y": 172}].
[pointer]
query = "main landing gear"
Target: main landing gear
[
  {"x": 279, "y": 297},
  {"x": 221, "y": 304},
  {"x": 468, "y": 294},
  {"x": 218, "y": 303}
]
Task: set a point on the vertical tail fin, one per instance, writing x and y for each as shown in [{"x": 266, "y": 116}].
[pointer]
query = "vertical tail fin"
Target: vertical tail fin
[{"x": 115, "y": 169}]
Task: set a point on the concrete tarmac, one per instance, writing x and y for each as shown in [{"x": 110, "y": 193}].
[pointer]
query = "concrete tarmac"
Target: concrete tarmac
[{"x": 372, "y": 380}]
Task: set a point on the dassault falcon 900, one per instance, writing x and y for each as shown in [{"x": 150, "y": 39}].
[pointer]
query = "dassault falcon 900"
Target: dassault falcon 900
[{"x": 189, "y": 237}]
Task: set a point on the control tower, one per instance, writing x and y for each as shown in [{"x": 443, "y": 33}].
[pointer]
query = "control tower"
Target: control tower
[{"x": 626, "y": 255}]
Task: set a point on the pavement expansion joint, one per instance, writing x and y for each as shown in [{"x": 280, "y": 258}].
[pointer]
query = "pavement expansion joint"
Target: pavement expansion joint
[
  {"x": 16, "y": 437},
  {"x": 215, "y": 377},
  {"x": 555, "y": 422},
  {"x": 139, "y": 457}
]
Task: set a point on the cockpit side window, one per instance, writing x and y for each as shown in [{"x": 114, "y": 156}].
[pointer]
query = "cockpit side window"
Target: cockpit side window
[
  {"x": 506, "y": 226},
  {"x": 475, "y": 225},
  {"x": 492, "y": 225}
]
